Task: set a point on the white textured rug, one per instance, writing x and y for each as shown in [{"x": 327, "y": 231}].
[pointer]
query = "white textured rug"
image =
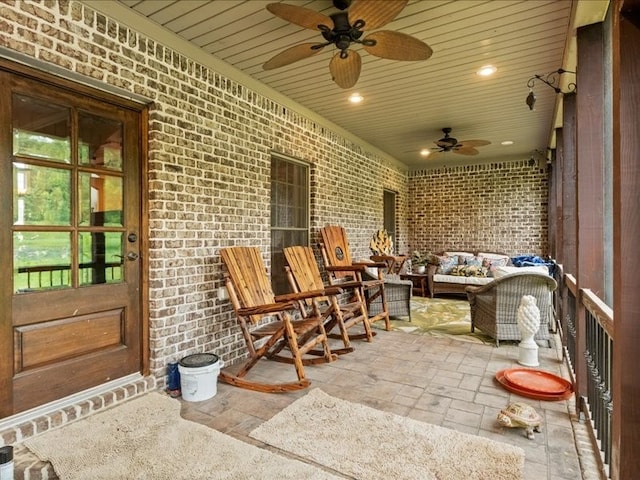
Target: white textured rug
[
  {"x": 370, "y": 444},
  {"x": 145, "y": 438}
]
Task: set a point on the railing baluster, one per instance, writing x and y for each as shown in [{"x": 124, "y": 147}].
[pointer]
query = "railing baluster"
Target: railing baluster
[
  {"x": 44, "y": 274},
  {"x": 597, "y": 358}
]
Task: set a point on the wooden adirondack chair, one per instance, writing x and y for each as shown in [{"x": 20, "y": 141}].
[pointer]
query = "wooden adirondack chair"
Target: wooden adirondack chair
[
  {"x": 304, "y": 275},
  {"x": 336, "y": 256},
  {"x": 284, "y": 338}
]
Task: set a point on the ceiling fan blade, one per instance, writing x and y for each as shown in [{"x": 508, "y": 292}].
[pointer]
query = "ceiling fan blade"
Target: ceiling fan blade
[
  {"x": 345, "y": 71},
  {"x": 375, "y": 13},
  {"x": 305, "y": 17},
  {"x": 434, "y": 155},
  {"x": 475, "y": 143},
  {"x": 292, "y": 54},
  {"x": 466, "y": 151},
  {"x": 397, "y": 46}
]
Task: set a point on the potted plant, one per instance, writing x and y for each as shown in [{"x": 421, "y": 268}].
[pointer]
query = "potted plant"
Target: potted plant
[{"x": 419, "y": 262}]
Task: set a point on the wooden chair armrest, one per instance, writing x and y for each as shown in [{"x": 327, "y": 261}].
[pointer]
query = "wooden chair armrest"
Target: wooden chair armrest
[
  {"x": 289, "y": 297},
  {"x": 268, "y": 308},
  {"x": 393, "y": 263},
  {"x": 371, "y": 264},
  {"x": 345, "y": 268},
  {"x": 335, "y": 290},
  {"x": 384, "y": 258}
]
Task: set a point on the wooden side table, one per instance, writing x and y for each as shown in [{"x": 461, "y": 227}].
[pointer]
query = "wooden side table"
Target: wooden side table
[
  {"x": 394, "y": 262},
  {"x": 420, "y": 283}
]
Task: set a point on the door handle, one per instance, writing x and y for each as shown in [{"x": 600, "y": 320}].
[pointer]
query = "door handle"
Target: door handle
[{"x": 131, "y": 256}]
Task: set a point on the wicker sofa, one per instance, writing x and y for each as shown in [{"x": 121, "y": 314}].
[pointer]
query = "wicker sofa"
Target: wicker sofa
[
  {"x": 452, "y": 272},
  {"x": 494, "y": 306}
]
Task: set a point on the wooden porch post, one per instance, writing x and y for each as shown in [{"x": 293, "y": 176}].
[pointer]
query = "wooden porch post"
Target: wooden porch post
[{"x": 625, "y": 462}]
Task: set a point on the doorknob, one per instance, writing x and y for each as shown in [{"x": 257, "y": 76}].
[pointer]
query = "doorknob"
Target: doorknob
[{"x": 132, "y": 256}]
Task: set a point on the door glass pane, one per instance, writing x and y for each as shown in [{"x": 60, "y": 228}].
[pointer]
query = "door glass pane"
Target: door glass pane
[
  {"x": 40, "y": 129},
  {"x": 100, "y": 257},
  {"x": 100, "y": 198},
  {"x": 99, "y": 142},
  {"x": 41, "y": 195},
  {"x": 41, "y": 260}
]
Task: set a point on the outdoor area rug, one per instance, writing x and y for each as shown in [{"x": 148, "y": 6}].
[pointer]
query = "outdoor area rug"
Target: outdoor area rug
[
  {"x": 439, "y": 317},
  {"x": 370, "y": 444},
  {"x": 145, "y": 438}
]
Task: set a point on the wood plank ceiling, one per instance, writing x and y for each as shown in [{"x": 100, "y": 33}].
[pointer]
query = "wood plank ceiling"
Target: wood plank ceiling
[{"x": 406, "y": 104}]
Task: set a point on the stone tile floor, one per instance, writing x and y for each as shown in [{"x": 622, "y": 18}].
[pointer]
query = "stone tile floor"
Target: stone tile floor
[
  {"x": 443, "y": 381},
  {"x": 437, "y": 380}
]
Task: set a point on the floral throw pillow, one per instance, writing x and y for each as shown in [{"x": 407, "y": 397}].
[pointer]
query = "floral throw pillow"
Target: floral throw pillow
[
  {"x": 473, "y": 261},
  {"x": 469, "y": 271},
  {"x": 446, "y": 264},
  {"x": 462, "y": 256},
  {"x": 495, "y": 259}
]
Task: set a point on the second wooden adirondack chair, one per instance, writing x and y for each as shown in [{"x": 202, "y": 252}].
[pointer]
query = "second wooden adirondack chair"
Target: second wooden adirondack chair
[{"x": 304, "y": 275}]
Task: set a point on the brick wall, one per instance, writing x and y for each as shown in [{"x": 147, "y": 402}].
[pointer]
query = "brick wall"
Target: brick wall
[
  {"x": 210, "y": 141},
  {"x": 497, "y": 207}
]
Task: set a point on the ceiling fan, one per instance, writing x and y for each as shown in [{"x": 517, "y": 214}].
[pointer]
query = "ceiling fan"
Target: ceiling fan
[
  {"x": 346, "y": 28},
  {"x": 451, "y": 144}
]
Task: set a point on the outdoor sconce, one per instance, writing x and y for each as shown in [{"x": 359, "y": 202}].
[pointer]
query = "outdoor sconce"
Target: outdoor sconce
[{"x": 552, "y": 79}]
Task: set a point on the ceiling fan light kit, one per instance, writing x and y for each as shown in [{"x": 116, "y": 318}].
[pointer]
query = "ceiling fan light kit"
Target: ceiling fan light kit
[{"x": 346, "y": 28}]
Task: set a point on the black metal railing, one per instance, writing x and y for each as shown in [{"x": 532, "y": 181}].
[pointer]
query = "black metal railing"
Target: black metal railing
[
  {"x": 596, "y": 359},
  {"x": 57, "y": 276}
]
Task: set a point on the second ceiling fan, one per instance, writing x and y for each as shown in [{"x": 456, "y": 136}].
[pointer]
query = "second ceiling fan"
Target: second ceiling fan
[
  {"x": 346, "y": 28},
  {"x": 451, "y": 144}
]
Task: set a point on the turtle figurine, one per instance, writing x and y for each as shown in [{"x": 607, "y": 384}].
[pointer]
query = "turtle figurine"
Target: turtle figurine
[{"x": 521, "y": 415}]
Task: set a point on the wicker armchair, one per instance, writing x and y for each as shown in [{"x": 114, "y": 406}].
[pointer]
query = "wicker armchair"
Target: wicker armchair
[
  {"x": 398, "y": 293},
  {"x": 494, "y": 306}
]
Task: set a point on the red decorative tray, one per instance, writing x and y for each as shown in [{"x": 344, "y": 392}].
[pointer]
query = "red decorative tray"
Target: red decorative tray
[
  {"x": 536, "y": 381},
  {"x": 536, "y": 384}
]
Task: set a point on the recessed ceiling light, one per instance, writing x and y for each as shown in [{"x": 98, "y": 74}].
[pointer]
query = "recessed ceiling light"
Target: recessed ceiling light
[
  {"x": 425, "y": 152},
  {"x": 355, "y": 98},
  {"x": 487, "y": 70},
  {"x": 507, "y": 142}
]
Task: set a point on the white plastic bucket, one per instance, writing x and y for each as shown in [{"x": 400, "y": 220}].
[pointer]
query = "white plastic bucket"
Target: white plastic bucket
[{"x": 199, "y": 376}]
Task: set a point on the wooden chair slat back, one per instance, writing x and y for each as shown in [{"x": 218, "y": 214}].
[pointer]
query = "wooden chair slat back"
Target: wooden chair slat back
[
  {"x": 248, "y": 276},
  {"x": 304, "y": 268},
  {"x": 336, "y": 250}
]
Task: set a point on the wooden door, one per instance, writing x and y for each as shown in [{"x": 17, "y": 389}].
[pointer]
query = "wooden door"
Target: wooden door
[{"x": 70, "y": 231}]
